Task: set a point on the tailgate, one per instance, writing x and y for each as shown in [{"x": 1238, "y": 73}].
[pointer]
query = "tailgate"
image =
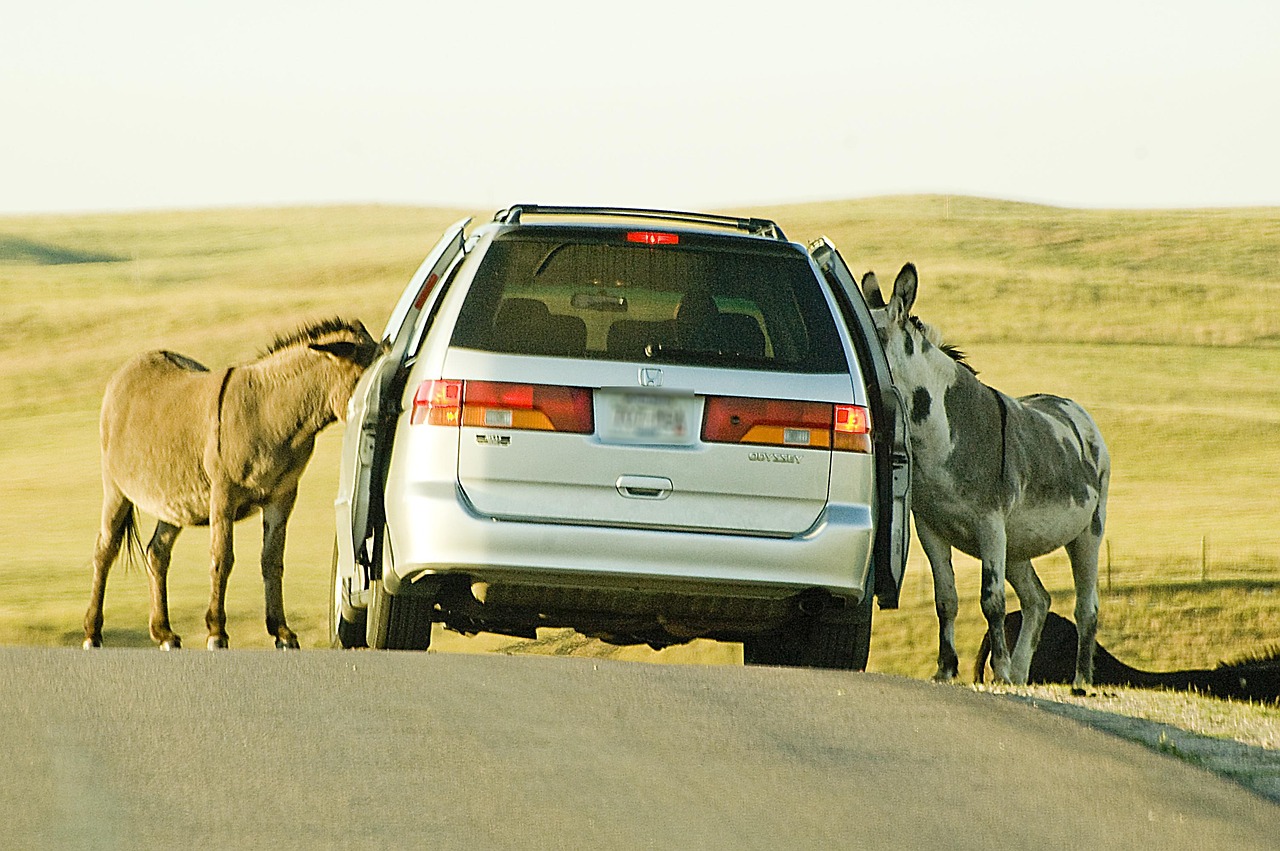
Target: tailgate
[{"x": 676, "y": 459}]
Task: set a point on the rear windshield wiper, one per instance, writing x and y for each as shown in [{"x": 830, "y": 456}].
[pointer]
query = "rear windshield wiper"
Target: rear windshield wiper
[{"x": 702, "y": 357}]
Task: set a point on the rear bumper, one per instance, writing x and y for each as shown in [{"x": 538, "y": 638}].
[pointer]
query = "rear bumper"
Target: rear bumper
[{"x": 433, "y": 530}]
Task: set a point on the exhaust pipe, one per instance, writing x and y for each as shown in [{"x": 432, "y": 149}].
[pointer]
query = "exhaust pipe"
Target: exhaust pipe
[{"x": 813, "y": 602}]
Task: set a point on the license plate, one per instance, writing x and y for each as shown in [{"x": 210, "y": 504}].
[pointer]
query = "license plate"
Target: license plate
[{"x": 647, "y": 419}]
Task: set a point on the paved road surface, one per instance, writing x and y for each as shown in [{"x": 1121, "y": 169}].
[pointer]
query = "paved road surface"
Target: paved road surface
[{"x": 144, "y": 749}]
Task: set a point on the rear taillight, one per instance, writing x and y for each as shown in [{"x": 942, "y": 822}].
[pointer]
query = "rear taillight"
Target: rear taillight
[
  {"x": 781, "y": 422},
  {"x": 437, "y": 402},
  {"x": 495, "y": 404},
  {"x": 852, "y": 430}
]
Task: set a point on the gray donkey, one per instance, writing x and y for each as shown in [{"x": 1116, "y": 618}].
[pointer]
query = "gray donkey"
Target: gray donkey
[
  {"x": 193, "y": 447},
  {"x": 1002, "y": 479}
]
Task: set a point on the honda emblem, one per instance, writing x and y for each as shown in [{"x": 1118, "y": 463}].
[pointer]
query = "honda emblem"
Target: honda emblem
[{"x": 650, "y": 377}]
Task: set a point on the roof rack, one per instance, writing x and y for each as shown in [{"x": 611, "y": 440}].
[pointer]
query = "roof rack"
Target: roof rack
[{"x": 756, "y": 227}]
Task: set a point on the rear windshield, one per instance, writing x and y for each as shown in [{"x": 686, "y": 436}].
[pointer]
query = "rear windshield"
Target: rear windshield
[{"x": 699, "y": 301}]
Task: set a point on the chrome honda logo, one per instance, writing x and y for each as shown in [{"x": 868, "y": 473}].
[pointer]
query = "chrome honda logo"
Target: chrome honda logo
[{"x": 650, "y": 377}]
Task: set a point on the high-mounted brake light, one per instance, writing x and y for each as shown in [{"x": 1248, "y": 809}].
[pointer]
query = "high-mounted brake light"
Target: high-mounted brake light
[
  {"x": 780, "y": 422},
  {"x": 651, "y": 237}
]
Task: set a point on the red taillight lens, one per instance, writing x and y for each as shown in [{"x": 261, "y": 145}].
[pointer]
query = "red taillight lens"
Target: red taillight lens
[
  {"x": 780, "y": 422},
  {"x": 651, "y": 237},
  {"x": 423, "y": 294},
  {"x": 437, "y": 402},
  {"x": 538, "y": 407},
  {"x": 497, "y": 404},
  {"x": 852, "y": 429}
]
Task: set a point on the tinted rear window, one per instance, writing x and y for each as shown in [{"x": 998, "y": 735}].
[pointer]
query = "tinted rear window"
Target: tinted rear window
[{"x": 702, "y": 301}]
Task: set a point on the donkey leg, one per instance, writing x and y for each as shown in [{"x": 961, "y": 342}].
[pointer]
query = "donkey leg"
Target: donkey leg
[
  {"x": 275, "y": 517},
  {"x": 945, "y": 599},
  {"x": 222, "y": 559},
  {"x": 991, "y": 544},
  {"x": 159, "y": 552},
  {"x": 117, "y": 515},
  {"x": 1083, "y": 552},
  {"x": 1035, "y": 608}
]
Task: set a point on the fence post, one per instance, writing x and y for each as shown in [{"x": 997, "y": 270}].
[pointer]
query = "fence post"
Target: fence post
[
  {"x": 1108, "y": 565},
  {"x": 1204, "y": 557}
]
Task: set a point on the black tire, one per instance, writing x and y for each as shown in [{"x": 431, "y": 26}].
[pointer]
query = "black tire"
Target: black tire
[
  {"x": 398, "y": 622},
  {"x": 346, "y": 622}
]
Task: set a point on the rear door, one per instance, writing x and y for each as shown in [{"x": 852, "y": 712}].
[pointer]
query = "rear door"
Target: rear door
[
  {"x": 888, "y": 411},
  {"x": 370, "y": 425}
]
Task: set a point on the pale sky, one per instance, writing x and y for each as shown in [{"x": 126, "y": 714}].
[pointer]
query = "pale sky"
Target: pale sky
[{"x": 130, "y": 104}]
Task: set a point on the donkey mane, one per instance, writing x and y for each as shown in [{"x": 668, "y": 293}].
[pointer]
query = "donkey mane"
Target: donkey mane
[
  {"x": 1266, "y": 656},
  {"x": 934, "y": 336},
  {"x": 310, "y": 333}
]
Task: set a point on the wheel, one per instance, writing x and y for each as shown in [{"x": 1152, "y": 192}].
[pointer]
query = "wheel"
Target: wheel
[
  {"x": 841, "y": 641},
  {"x": 346, "y": 622},
  {"x": 396, "y": 621}
]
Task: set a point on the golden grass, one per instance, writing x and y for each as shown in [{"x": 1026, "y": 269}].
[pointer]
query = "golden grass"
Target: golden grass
[{"x": 1166, "y": 325}]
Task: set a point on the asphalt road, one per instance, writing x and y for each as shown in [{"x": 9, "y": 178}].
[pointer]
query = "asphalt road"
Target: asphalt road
[{"x": 329, "y": 749}]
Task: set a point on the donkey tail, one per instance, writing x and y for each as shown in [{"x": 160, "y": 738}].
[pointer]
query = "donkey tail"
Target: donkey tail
[
  {"x": 980, "y": 663},
  {"x": 134, "y": 550}
]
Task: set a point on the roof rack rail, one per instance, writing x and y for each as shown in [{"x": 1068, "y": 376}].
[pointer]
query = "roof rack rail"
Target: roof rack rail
[{"x": 754, "y": 226}]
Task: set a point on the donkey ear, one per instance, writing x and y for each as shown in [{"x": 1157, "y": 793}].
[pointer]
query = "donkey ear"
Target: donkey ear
[
  {"x": 871, "y": 291},
  {"x": 339, "y": 349},
  {"x": 904, "y": 290}
]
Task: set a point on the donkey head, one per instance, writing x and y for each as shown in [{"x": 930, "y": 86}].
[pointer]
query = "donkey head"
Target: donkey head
[
  {"x": 348, "y": 350},
  {"x": 892, "y": 317},
  {"x": 903, "y": 335}
]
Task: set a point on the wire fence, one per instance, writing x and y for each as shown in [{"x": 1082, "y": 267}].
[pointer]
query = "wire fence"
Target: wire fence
[
  {"x": 1203, "y": 562},
  {"x": 1121, "y": 565}
]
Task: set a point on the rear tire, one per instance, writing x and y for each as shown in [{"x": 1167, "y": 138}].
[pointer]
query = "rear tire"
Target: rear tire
[{"x": 397, "y": 622}]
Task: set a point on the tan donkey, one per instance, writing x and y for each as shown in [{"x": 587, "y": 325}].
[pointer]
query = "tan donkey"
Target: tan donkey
[{"x": 193, "y": 447}]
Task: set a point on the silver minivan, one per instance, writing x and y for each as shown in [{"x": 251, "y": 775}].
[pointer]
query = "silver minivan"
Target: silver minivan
[{"x": 649, "y": 426}]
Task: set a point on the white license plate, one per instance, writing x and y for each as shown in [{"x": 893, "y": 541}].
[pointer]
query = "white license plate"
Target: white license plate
[{"x": 647, "y": 419}]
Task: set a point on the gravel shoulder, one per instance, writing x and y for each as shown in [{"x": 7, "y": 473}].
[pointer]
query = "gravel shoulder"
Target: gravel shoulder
[{"x": 1239, "y": 741}]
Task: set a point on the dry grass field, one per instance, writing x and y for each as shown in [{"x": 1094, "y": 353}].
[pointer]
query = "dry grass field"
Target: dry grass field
[{"x": 1166, "y": 325}]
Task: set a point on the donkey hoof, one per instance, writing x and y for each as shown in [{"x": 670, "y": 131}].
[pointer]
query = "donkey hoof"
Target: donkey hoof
[
  {"x": 91, "y": 643},
  {"x": 287, "y": 644},
  {"x": 217, "y": 642},
  {"x": 174, "y": 643}
]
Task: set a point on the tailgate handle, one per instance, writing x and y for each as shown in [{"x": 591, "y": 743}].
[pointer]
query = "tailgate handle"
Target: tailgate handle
[{"x": 644, "y": 487}]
